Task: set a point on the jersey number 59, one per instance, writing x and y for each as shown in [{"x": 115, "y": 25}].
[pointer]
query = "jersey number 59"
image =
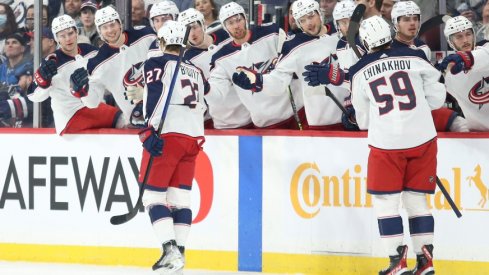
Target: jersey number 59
[{"x": 400, "y": 85}]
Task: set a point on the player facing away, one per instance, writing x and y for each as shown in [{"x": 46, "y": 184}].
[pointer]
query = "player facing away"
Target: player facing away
[
  {"x": 69, "y": 95},
  {"x": 406, "y": 20},
  {"x": 202, "y": 46},
  {"x": 253, "y": 48},
  {"x": 467, "y": 81},
  {"x": 167, "y": 193},
  {"x": 118, "y": 61},
  {"x": 393, "y": 93}
]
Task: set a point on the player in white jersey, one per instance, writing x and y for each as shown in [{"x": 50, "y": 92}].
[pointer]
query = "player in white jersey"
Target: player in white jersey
[
  {"x": 341, "y": 15},
  {"x": 118, "y": 61},
  {"x": 67, "y": 99},
  {"x": 393, "y": 93},
  {"x": 158, "y": 15},
  {"x": 253, "y": 48},
  {"x": 406, "y": 18},
  {"x": 313, "y": 45},
  {"x": 470, "y": 87},
  {"x": 202, "y": 46},
  {"x": 167, "y": 193}
]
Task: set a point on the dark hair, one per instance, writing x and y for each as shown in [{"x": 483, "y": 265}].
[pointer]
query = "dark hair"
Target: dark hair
[
  {"x": 215, "y": 12},
  {"x": 44, "y": 8},
  {"x": 378, "y": 4},
  {"x": 11, "y": 25},
  {"x": 173, "y": 48}
]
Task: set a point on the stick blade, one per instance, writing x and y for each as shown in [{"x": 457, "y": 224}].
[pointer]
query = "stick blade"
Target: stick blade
[
  {"x": 354, "y": 26},
  {"x": 120, "y": 219},
  {"x": 433, "y": 22}
]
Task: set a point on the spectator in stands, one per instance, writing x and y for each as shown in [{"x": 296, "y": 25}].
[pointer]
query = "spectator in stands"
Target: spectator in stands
[
  {"x": 29, "y": 19},
  {"x": 48, "y": 44},
  {"x": 210, "y": 11},
  {"x": 483, "y": 32},
  {"x": 138, "y": 14},
  {"x": 87, "y": 17},
  {"x": 72, "y": 8},
  {"x": 8, "y": 25},
  {"x": 327, "y": 7},
  {"x": 386, "y": 9},
  {"x": 15, "y": 51}
]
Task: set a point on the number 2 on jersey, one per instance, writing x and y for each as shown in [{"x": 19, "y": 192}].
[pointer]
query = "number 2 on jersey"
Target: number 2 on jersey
[
  {"x": 401, "y": 86},
  {"x": 194, "y": 88}
]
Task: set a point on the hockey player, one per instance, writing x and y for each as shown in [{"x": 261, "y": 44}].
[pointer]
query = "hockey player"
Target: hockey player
[
  {"x": 118, "y": 61},
  {"x": 393, "y": 93},
  {"x": 68, "y": 95},
  {"x": 202, "y": 47},
  {"x": 253, "y": 49},
  {"x": 158, "y": 15},
  {"x": 341, "y": 14},
  {"x": 167, "y": 193},
  {"x": 470, "y": 87},
  {"x": 406, "y": 18},
  {"x": 311, "y": 46}
]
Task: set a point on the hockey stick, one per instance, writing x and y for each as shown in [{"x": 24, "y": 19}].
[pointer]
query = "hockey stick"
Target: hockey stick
[
  {"x": 282, "y": 36},
  {"x": 433, "y": 22},
  {"x": 354, "y": 26},
  {"x": 120, "y": 219},
  {"x": 448, "y": 198}
]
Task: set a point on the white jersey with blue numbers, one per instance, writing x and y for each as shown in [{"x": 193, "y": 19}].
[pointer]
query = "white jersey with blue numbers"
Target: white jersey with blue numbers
[
  {"x": 393, "y": 93},
  {"x": 113, "y": 69},
  {"x": 186, "y": 108},
  {"x": 471, "y": 90},
  {"x": 63, "y": 103},
  {"x": 256, "y": 54}
]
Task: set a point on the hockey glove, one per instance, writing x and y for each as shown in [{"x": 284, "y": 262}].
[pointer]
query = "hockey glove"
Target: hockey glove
[
  {"x": 45, "y": 73},
  {"x": 151, "y": 141},
  {"x": 462, "y": 61},
  {"x": 134, "y": 94},
  {"x": 316, "y": 74},
  {"x": 137, "y": 118},
  {"x": 349, "y": 120},
  {"x": 79, "y": 82},
  {"x": 248, "y": 79}
]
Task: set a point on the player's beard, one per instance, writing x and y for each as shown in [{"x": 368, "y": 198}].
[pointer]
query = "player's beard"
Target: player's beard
[{"x": 239, "y": 34}]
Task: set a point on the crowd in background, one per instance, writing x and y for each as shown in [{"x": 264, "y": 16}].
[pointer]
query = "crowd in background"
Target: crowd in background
[{"x": 17, "y": 23}]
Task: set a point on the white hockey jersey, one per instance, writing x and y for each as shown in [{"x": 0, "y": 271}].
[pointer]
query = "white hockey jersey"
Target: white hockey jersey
[
  {"x": 393, "y": 93},
  {"x": 186, "y": 108},
  {"x": 256, "y": 54},
  {"x": 63, "y": 103},
  {"x": 298, "y": 51},
  {"x": 471, "y": 90},
  {"x": 114, "y": 69}
]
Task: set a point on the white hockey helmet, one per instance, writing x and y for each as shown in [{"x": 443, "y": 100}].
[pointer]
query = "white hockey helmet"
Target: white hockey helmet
[
  {"x": 172, "y": 32},
  {"x": 457, "y": 24},
  {"x": 164, "y": 7},
  {"x": 61, "y": 23},
  {"x": 374, "y": 32},
  {"x": 304, "y": 7},
  {"x": 229, "y": 10},
  {"x": 105, "y": 15},
  {"x": 406, "y": 8},
  {"x": 342, "y": 10},
  {"x": 191, "y": 15}
]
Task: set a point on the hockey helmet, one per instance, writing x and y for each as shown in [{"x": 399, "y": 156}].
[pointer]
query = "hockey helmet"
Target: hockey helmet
[
  {"x": 172, "y": 32},
  {"x": 374, "y": 32},
  {"x": 229, "y": 10},
  {"x": 105, "y": 15},
  {"x": 406, "y": 8},
  {"x": 190, "y": 16},
  {"x": 61, "y": 23},
  {"x": 304, "y": 7},
  {"x": 165, "y": 7},
  {"x": 342, "y": 10},
  {"x": 457, "y": 24}
]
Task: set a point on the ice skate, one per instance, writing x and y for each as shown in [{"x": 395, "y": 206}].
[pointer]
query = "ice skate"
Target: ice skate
[
  {"x": 171, "y": 260},
  {"x": 424, "y": 262},
  {"x": 398, "y": 263}
]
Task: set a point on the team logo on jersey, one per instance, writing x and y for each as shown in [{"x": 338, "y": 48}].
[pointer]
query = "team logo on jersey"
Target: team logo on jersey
[
  {"x": 134, "y": 76},
  {"x": 479, "y": 94},
  {"x": 263, "y": 67}
]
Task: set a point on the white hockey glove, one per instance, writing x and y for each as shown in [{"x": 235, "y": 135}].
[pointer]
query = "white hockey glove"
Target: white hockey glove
[{"x": 134, "y": 94}]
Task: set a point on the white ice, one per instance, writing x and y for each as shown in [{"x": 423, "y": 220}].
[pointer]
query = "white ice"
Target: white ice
[{"x": 24, "y": 268}]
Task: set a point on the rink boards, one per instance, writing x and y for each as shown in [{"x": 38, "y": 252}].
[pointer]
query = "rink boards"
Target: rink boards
[{"x": 283, "y": 202}]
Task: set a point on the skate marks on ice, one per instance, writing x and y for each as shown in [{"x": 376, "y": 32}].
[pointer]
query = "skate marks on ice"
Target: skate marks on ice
[{"x": 25, "y": 268}]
